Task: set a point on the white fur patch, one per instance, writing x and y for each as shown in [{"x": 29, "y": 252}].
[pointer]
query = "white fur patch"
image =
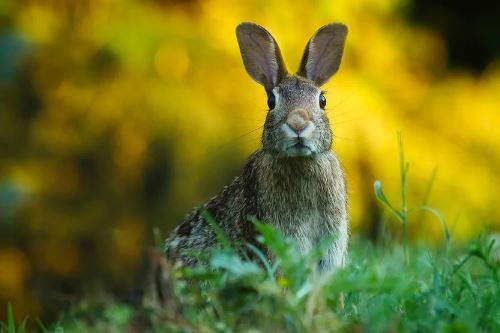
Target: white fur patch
[
  {"x": 304, "y": 134},
  {"x": 289, "y": 133},
  {"x": 307, "y": 132},
  {"x": 277, "y": 98}
]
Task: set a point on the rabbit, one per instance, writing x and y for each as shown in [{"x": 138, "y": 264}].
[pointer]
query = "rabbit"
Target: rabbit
[{"x": 294, "y": 181}]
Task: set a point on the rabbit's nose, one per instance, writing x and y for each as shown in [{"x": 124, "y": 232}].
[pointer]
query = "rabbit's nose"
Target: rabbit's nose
[{"x": 298, "y": 120}]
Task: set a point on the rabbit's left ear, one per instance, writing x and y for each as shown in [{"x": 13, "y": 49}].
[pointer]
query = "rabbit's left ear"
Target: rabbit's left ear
[
  {"x": 261, "y": 55},
  {"x": 323, "y": 53}
]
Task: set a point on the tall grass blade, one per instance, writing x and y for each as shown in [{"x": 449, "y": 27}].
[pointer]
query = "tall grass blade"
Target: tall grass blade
[
  {"x": 258, "y": 253},
  {"x": 379, "y": 194},
  {"x": 11, "y": 322},
  {"x": 439, "y": 216},
  {"x": 22, "y": 325},
  {"x": 404, "y": 166},
  {"x": 430, "y": 185},
  {"x": 41, "y": 325}
]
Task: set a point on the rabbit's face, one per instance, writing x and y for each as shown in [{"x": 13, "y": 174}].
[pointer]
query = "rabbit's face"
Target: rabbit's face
[{"x": 296, "y": 124}]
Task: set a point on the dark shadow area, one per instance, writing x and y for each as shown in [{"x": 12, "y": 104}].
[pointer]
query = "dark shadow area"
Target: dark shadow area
[{"x": 470, "y": 29}]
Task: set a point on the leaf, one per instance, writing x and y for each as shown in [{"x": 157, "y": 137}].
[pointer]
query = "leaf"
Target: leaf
[
  {"x": 283, "y": 282},
  {"x": 41, "y": 325},
  {"x": 439, "y": 216},
  {"x": 379, "y": 194},
  {"x": 22, "y": 326},
  {"x": 11, "y": 322},
  {"x": 221, "y": 236},
  {"x": 467, "y": 280},
  {"x": 404, "y": 166},
  {"x": 490, "y": 247},
  {"x": 429, "y": 186},
  {"x": 262, "y": 258},
  {"x": 232, "y": 263},
  {"x": 272, "y": 238},
  {"x": 304, "y": 290},
  {"x": 461, "y": 263},
  {"x": 319, "y": 250}
]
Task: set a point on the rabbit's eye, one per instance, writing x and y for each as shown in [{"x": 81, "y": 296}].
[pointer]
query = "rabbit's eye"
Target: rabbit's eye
[
  {"x": 271, "y": 101},
  {"x": 322, "y": 101}
]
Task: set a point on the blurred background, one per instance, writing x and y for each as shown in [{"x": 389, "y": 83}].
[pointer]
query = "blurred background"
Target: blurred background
[{"x": 117, "y": 117}]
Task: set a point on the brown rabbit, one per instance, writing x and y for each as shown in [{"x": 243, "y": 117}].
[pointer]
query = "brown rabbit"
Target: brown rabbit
[{"x": 294, "y": 182}]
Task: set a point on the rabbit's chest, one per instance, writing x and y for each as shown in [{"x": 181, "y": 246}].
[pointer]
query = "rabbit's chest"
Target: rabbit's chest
[
  {"x": 305, "y": 227},
  {"x": 304, "y": 199},
  {"x": 301, "y": 209}
]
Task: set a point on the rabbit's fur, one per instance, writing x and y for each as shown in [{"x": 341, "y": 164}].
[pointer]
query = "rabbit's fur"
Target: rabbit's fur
[{"x": 294, "y": 182}]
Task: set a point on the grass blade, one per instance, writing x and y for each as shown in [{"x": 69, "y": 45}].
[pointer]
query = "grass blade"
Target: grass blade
[
  {"x": 221, "y": 236},
  {"x": 258, "y": 253},
  {"x": 22, "y": 326},
  {"x": 429, "y": 187},
  {"x": 439, "y": 216},
  {"x": 11, "y": 322},
  {"x": 379, "y": 194}
]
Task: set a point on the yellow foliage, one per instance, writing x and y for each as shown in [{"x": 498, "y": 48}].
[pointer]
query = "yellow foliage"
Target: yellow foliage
[{"x": 14, "y": 269}]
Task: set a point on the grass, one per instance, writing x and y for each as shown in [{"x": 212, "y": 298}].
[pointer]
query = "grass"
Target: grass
[
  {"x": 404, "y": 212},
  {"x": 438, "y": 290},
  {"x": 10, "y": 326},
  {"x": 383, "y": 288}
]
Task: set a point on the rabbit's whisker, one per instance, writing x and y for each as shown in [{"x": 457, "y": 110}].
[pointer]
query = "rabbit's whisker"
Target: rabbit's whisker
[{"x": 234, "y": 140}]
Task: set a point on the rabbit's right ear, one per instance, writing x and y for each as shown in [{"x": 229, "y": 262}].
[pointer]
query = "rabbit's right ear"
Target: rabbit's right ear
[
  {"x": 261, "y": 55},
  {"x": 323, "y": 53}
]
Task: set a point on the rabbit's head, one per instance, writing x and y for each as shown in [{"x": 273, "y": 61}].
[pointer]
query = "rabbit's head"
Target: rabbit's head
[{"x": 296, "y": 124}]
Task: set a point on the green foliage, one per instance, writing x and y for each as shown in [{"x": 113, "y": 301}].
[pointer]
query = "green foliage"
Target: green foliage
[
  {"x": 10, "y": 326},
  {"x": 403, "y": 213},
  {"x": 437, "y": 291},
  {"x": 442, "y": 289}
]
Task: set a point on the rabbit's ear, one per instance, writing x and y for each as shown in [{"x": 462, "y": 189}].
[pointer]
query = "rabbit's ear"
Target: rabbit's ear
[
  {"x": 323, "y": 53},
  {"x": 261, "y": 55}
]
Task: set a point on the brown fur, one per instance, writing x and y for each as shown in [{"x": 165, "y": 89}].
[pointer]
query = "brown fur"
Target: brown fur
[{"x": 294, "y": 182}]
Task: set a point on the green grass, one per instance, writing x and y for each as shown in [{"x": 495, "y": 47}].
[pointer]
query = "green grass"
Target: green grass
[
  {"x": 395, "y": 287},
  {"x": 438, "y": 290},
  {"x": 10, "y": 326}
]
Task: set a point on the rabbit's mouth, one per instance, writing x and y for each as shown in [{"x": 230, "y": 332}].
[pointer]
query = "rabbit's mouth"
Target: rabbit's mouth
[
  {"x": 299, "y": 145},
  {"x": 299, "y": 148}
]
